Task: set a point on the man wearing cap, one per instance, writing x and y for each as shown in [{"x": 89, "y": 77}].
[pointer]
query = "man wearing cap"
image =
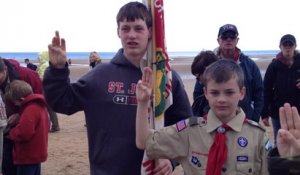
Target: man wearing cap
[
  {"x": 282, "y": 82},
  {"x": 252, "y": 103}
]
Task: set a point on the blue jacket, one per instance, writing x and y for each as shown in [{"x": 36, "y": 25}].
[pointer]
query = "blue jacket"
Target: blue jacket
[
  {"x": 106, "y": 94},
  {"x": 253, "y": 102}
]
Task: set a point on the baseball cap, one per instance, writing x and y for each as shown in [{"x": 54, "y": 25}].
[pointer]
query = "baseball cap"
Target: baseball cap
[
  {"x": 288, "y": 38},
  {"x": 226, "y": 28}
]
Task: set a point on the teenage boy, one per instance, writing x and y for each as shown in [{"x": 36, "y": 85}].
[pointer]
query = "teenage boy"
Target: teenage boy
[
  {"x": 109, "y": 102},
  {"x": 200, "y": 144}
]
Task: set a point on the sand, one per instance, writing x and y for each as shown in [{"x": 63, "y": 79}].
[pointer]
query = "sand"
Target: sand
[{"x": 68, "y": 152}]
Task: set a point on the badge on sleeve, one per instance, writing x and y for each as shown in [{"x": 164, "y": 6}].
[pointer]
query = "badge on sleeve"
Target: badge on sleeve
[
  {"x": 196, "y": 161},
  {"x": 268, "y": 145},
  {"x": 181, "y": 125}
]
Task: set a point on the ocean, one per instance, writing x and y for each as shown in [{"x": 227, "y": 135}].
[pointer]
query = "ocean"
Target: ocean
[{"x": 108, "y": 55}]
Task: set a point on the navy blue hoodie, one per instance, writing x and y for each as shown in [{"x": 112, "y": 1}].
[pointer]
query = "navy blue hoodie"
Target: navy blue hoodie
[{"x": 106, "y": 94}]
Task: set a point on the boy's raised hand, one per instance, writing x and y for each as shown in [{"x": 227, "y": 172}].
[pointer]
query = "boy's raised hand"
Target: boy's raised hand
[
  {"x": 288, "y": 138},
  {"x": 144, "y": 86},
  {"x": 57, "y": 51}
]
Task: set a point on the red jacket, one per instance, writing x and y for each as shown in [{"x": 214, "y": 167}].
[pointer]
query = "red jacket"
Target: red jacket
[
  {"x": 30, "y": 136},
  {"x": 28, "y": 75}
]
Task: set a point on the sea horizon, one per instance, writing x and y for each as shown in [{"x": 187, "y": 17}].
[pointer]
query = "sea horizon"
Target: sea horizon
[{"x": 20, "y": 56}]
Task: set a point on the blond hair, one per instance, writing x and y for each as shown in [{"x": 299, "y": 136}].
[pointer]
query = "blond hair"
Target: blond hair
[{"x": 17, "y": 89}]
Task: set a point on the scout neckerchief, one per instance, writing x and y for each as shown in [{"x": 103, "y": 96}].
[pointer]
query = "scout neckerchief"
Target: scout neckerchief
[{"x": 218, "y": 151}]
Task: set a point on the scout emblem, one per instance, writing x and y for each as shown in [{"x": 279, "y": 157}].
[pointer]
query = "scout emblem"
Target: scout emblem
[{"x": 242, "y": 141}]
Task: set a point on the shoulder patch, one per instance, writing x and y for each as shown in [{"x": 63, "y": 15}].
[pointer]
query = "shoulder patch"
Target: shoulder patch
[
  {"x": 255, "y": 124},
  {"x": 268, "y": 145},
  {"x": 181, "y": 125}
]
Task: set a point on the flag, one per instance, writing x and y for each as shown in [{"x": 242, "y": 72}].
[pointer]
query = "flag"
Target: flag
[{"x": 157, "y": 56}]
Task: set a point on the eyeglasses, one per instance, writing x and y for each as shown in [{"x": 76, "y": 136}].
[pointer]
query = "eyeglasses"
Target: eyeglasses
[
  {"x": 288, "y": 44},
  {"x": 230, "y": 36}
]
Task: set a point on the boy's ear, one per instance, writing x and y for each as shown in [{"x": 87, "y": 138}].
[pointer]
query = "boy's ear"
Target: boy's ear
[
  {"x": 243, "y": 92},
  {"x": 205, "y": 92},
  {"x": 150, "y": 33},
  {"x": 118, "y": 32}
]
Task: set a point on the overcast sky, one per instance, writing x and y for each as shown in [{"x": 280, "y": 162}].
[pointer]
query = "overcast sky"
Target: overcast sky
[{"x": 191, "y": 25}]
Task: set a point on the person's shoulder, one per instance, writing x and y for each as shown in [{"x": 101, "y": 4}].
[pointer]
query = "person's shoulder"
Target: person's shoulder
[
  {"x": 297, "y": 58},
  {"x": 107, "y": 65},
  {"x": 174, "y": 73},
  {"x": 255, "y": 125},
  {"x": 275, "y": 62},
  {"x": 197, "y": 121},
  {"x": 190, "y": 123},
  {"x": 246, "y": 58},
  {"x": 32, "y": 66}
]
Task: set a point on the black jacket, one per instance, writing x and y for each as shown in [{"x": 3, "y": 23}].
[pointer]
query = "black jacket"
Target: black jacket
[
  {"x": 283, "y": 166},
  {"x": 280, "y": 86}
]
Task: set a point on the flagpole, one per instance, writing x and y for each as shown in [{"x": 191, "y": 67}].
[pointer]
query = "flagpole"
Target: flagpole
[{"x": 158, "y": 59}]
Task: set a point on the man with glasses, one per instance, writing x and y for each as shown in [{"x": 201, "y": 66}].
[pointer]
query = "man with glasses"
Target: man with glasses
[
  {"x": 282, "y": 82},
  {"x": 252, "y": 103}
]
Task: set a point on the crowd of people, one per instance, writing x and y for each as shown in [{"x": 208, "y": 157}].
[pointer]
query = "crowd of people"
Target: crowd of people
[{"x": 218, "y": 134}]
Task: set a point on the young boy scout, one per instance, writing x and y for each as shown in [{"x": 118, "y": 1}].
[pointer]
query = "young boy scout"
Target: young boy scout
[{"x": 223, "y": 142}]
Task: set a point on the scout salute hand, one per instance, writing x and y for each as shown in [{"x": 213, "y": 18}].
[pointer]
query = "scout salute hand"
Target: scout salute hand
[
  {"x": 57, "y": 51},
  {"x": 144, "y": 87},
  {"x": 288, "y": 138},
  {"x": 143, "y": 93}
]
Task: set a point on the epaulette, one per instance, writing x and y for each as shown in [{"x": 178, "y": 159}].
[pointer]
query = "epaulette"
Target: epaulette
[
  {"x": 197, "y": 121},
  {"x": 193, "y": 121},
  {"x": 253, "y": 123}
]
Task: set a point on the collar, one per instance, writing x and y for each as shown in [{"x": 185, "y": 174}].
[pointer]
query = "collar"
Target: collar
[
  {"x": 236, "y": 123},
  {"x": 236, "y": 53}
]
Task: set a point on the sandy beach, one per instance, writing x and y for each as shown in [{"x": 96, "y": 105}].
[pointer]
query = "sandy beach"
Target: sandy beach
[{"x": 68, "y": 152}]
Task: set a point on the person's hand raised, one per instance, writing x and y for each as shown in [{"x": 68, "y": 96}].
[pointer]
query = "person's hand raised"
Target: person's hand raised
[
  {"x": 288, "y": 137},
  {"x": 144, "y": 86},
  {"x": 57, "y": 51}
]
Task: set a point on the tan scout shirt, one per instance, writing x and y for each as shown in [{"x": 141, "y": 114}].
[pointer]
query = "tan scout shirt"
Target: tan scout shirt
[{"x": 189, "y": 141}]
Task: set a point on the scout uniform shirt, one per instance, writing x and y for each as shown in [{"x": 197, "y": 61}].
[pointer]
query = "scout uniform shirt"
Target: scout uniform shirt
[{"x": 189, "y": 141}]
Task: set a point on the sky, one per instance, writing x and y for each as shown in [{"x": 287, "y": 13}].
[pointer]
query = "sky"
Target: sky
[{"x": 191, "y": 25}]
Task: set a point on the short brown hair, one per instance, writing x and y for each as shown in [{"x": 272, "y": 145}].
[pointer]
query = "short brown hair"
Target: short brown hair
[
  {"x": 222, "y": 71},
  {"x": 17, "y": 89},
  {"x": 132, "y": 11},
  {"x": 201, "y": 61}
]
